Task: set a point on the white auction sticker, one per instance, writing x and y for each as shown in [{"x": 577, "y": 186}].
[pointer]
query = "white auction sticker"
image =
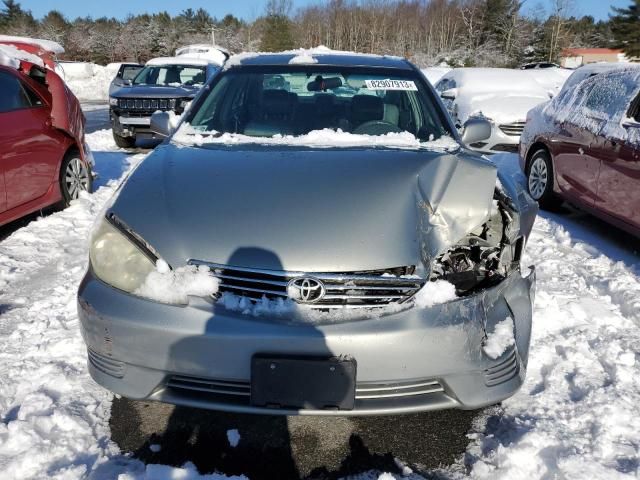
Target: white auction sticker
[{"x": 389, "y": 84}]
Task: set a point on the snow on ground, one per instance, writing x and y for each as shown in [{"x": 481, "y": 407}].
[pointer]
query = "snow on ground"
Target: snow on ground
[
  {"x": 88, "y": 81},
  {"x": 574, "y": 418}
]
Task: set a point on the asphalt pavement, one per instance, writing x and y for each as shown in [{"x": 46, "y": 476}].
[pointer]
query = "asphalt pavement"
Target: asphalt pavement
[{"x": 277, "y": 447}]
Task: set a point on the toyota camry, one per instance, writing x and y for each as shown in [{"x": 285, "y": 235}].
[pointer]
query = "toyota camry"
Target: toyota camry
[{"x": 314, "y": 238}]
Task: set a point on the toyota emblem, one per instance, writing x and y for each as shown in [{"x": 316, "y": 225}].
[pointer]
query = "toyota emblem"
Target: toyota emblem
[{"x": 305, "y": 289}]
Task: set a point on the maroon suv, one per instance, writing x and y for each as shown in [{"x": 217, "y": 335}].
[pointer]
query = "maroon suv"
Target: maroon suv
[{"x": 584, "y": 147}]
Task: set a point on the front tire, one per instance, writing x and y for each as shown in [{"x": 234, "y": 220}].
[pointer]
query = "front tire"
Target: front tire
[
  {"x": 540, "y": 180},
  {"x": 124, "y": 142},
  {"x": 75, "y": 177}
]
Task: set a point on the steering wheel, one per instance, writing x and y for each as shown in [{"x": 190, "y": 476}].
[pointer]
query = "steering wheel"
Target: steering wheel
[{"x": 377, "y": 127}]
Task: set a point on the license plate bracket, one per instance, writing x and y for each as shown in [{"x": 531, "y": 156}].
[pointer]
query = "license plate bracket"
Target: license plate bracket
[{"x": 318, "y": 383}]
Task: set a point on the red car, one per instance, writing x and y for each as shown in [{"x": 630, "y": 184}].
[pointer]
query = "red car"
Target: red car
[
  {"x": 584, "y": 147},
  {"x": 43, "y": 158}
]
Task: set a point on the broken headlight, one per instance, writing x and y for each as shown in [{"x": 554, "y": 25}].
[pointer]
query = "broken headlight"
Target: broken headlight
[{"x": 486, "y": 255}]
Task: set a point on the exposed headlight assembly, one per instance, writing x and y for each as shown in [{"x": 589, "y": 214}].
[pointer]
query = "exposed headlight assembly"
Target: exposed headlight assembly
[
  {"x": 119, "y": 257},
  {"x": 485, "y": 256},
  {"x": 113, "y": 101}
]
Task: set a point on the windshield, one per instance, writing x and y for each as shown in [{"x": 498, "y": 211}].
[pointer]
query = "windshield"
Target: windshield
[
  {"x": 171, "y": 75},
  {"x": 295, "y": 101}
]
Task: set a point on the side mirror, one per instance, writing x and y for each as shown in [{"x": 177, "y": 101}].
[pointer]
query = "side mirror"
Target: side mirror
[
  {"x": 449, "y": 94},
  {"x": 128, "y": 82},
  {"x": 475, "y": 130},
  {"x": 631, "y": 124},
  {"x": 161, "y": 124}
]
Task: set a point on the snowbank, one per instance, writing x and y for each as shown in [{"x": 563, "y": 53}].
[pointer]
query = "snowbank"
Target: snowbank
[{"x": 88, "y": 81}]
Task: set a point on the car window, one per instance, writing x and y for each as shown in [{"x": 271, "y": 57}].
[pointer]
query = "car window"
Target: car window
[
  {"x": 14, "y": 96},
  {"x": 298, "y": 101},
  {"x": 172, "y": 75},
  {"x": 129, "y": 72},
  {"x": 610, "y": 96},
  {"x": 445, "y": 84}
]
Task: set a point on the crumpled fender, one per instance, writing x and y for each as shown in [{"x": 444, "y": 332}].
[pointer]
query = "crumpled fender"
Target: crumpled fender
[
  {"x": 455, "y": 193},
  {"x": 66, "y": 113}
]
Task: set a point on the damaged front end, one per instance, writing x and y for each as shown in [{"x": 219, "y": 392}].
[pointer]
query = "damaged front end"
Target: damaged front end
[
  {"x": 475, "y": 224},
  {"x": 487, "y": 255}
]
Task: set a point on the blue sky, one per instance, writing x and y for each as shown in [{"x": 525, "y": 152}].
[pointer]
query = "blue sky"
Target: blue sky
[{"x": 247, "y": 9}]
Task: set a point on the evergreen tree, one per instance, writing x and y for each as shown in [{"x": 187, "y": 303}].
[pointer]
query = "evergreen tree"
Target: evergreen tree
[{"x": 625, "y": 26}]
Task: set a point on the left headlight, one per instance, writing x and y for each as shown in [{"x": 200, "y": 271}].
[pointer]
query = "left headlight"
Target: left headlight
[
  {"x": 113, "y": 101},
  {"x": 117, "y": 260}
]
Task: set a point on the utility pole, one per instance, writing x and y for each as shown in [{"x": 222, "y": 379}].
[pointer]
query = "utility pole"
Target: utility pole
[{"x": 213, "y": 35}]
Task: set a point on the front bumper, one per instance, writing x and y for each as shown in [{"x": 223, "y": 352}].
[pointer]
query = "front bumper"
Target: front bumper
[
  {"x": 200, "y": 355},
  {"x": 498, "y": 142}
]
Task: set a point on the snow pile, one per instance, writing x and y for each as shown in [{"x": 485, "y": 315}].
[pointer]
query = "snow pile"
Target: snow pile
[
  {"x": 325, "y": 138},
  {"x": 500, "y": 339},
  {"x": 175, "y": 286},
  {"x": 88, "y": 81},
  {"x": 435, "y": 293},
  {"x": 303, "y": 59},
  {"x": 53, "y": 418}
]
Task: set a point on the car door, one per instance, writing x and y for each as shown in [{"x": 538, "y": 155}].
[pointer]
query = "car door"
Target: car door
[
  {"x": 619, "y": 151},
  {"x": 31, "y": 149},
  {"x": 576, "y": 168}
]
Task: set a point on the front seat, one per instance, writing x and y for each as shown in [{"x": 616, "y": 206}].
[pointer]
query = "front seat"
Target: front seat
[
  {"x": 366, "y": 108},
  {"x": 172, "y": 76}
]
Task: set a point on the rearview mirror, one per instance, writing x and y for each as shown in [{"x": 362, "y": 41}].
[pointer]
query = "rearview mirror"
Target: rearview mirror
[
  {"x": 475, "y": 130},
  {"x": 449, "y": 94},
  {"x": 323, "y": 84},
  {"x": 161, "y": 124}
]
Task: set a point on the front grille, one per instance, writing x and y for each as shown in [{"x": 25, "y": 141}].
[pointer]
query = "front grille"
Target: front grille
[
  {"x": 367, "y": 289},
  {"x": 238, "y": 391},
  {"x": 502, "y": 372},
  {"x": 514, "y": 129},
  {"x": 147, "y": 104}
]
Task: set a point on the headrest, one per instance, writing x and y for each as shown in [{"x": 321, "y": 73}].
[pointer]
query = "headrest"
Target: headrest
[
  {"x": 278, "y": 102},
  {"x": 365, "y": 108}
]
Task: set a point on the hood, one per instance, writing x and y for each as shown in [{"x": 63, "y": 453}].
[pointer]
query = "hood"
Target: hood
[
  {"x": 312, "y": 210},
  {"x": 500, "y": 108},
  {"x": 153, "y": 91}
]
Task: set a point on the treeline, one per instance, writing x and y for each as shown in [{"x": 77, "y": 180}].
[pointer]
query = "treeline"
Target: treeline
[{"x": 460, "y": 32}]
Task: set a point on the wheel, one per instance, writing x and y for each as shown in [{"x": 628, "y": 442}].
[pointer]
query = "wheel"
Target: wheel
[
  {"x": 540, "y": 180},
  {"x": 75, "y": 176},
  {"x": 124, "y": 142}
]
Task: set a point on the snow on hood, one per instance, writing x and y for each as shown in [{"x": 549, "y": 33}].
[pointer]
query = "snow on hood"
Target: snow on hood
[
  {"x": 327, "y": 138},
  {"x": 46, "y": 45},
  {"x": 501, "y": 108}
]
